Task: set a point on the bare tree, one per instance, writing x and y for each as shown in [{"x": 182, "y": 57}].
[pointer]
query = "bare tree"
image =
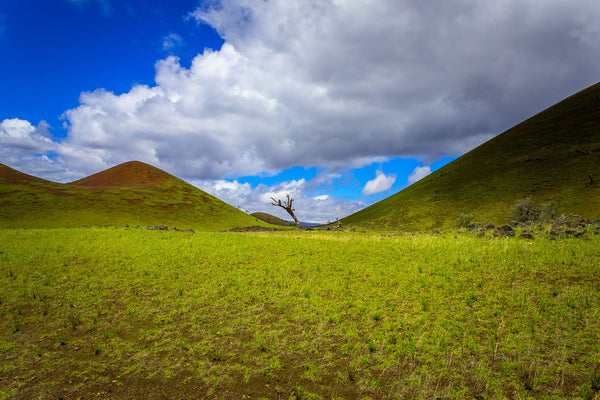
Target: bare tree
[{"x": 287, "y": 206}]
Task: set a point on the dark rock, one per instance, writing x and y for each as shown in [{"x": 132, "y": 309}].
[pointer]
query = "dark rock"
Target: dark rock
[
  {"x": 527, "y": 234},
  {"x": 577, "y": 232},
  {"x": 163, "y": 228},
  {"x": 506, "y": 231},
  {"x": 253, "y": 229},
  {"x": 572, "y": 223},
  {"x": 577, "y": 222},
  {"x": 152, "y": 228}
]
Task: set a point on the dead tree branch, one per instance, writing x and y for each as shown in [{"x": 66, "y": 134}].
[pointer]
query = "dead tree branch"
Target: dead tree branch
[{"x": 287, "y": 206}]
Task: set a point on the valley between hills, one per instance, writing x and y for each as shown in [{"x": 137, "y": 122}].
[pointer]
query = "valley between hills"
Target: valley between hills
[
  {"x": 480, "y": 281},
  {"x": 553, "y": 157}
]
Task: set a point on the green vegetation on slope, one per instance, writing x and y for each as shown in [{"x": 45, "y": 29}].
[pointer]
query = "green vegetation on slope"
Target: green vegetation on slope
[
  {"x": 553, "y": 156},
  {"x": 132, "y": 193},
  {"x": 129, "y": 314}
]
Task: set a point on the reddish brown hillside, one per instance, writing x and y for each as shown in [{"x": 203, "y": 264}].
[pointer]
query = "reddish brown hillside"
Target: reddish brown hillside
[
  {"x": 128, "y": 174},
  {"x": 11, "y": 176},
  {"x": 270, "y": 219}
]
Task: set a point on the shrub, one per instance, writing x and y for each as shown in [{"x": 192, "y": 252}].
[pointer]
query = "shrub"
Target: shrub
[
  {"x": 62, "y": 339},
  {"x": 524, "y": 210},
  {"x": 464, "y": 220},
  {"x": 97, "y": 348},
  {"x": 547, "y": 212}
]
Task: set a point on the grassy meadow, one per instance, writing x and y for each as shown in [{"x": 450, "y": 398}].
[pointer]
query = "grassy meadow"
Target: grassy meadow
[{"x": 129, "y": 314}]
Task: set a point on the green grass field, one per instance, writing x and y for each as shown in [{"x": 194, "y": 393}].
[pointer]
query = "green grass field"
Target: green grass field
[{"x": 130, "y": 314}]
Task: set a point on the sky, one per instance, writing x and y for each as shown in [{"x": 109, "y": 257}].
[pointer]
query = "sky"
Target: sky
[{"x": 340, "y": 103}]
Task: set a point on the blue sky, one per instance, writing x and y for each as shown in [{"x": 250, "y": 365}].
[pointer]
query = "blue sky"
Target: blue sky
[
  {"x": 340, "y": 103},
  {"x": 57, "y": 49}
]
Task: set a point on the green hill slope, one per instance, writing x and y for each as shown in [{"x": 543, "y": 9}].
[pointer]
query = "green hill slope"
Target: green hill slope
[
  {"x": 132, "y": 193},
  {"x": 553, "y": 156},
  {"x": 271, "y": 219}
]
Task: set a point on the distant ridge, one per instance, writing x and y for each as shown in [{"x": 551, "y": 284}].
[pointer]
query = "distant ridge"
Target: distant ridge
[
  {"x": 132, "y": 193},
  {"x": 553, "y": 156},
  {"x": 128, "y": 174}
]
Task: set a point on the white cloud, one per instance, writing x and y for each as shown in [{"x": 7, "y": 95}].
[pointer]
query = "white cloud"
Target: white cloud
[
  {"x": 339, "y": 83},
  {"x": 418, "y": 174},
  {"x": 171, "y": 41},
  {"x": 20, "y": 134},
  {"x": 381, "y": 183},
  {"x": 308, "y": 208},
  {"x": 26, "y": 147}
]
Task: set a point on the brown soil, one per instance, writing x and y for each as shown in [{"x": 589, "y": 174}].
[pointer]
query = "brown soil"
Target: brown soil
[{"x": 270, "y": 219}]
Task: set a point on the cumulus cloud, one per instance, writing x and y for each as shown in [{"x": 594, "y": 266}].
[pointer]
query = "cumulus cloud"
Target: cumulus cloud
[
  {"x": 27, "y": 148},
  {"x": 20, "y": 134},
  {"x": 20, "y": 141},
  {"x": 319, "y": 209},
  {"x": 418, "y": 174},
  {"x": 381, "y": 183},
  {"x": 340, "y": 83}
]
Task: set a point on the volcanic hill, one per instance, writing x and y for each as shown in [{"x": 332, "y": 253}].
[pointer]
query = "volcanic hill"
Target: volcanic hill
[
  {"x": 129, "y": 174},
  {"x": 553, "y": 156},
  {"x": 132, "y": 193},
  {"x": 271, "y": 219}
]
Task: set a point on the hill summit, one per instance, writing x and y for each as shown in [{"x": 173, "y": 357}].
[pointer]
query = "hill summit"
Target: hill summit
[
  {"x": 552, "y": 157},
  {"x": 128, "y": 174}
]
